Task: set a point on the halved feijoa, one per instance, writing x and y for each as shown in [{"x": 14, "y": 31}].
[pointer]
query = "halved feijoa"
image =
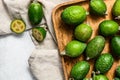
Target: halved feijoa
[
  {"x": 39, "y": 33},
  {"x": 18, "y": 26}
]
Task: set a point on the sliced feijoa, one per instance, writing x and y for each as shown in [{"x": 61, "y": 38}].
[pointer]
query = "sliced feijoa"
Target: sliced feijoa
[
  {"x": 39, "y": 33},
  {"x": 18, "y": 26}
]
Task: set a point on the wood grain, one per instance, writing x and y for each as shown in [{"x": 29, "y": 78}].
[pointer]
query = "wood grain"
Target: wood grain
[{"x": 64, "y": 34}]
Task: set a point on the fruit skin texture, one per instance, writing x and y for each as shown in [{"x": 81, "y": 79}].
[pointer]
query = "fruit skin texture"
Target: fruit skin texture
[
  {"x": 85, "y": 79},
  {"x": 80, "y": 70},
  {"x": 100, "y": 77},
  {"x": 98, "y": 7},
  {"x": 118, "y": 71},
  {"x": 104, "y": 63},
  {"x": 83, "y": 32},
  {"x": 35, "y": 13},
  {"x": 115, "y": 45},
  {"x": 116, "y": 78},
  {"x": 108, "y": 27},
  {"x": 116, "y": 8},
  {"x": 95, "y": 47},
  {"x": 74, "y": 15},
  {"x": 42, "y": 31},
  {"x": 74, "y": 48}
]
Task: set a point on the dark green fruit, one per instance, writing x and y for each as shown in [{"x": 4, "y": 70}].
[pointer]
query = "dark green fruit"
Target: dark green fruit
[
  {"x": 100, "y": 77},
  {"x": 116, "y": 78},
  {"x": 98, "y": 7},
  {"x": 83, "y": 32},
  {"x": 35, "y": 13},
  {"x": 74, "y": 48},
  {"x": 74, "y": 15},
  {"x": 108, "y": 28},
  {"x": 116, "y": 9},
  {"x": 118, "y": 71},
  {"x": 115, "y": 45},
  {"x": 95, "y": 47},
  {"x": 80, "y": 70},
  {"x": 85, "y": 79},
  {"x": 104, "y": 63}
]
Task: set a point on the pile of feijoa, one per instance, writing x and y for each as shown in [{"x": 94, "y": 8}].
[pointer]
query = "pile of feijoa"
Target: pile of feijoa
[{"x": 75, "y": 15}]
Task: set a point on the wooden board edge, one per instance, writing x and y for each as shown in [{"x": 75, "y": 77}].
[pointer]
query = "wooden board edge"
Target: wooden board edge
[{"x": 53, "y": 21}]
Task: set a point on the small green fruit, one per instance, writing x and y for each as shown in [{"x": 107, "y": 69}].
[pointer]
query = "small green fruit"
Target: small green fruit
[
  {"x": 39, "y": 33},
  {"x": 74, "y": 15},
  {"x": 74, "y": 48},
  {"x": 108, "y": 28},
  {"x": 104, "y": 63},
  {"x": 83, "y": 32},
  {"x": 116, "y": 78},
  {"x": 115, "y": 45},
  {"x": 100, "y": 77},
  {"x": 95, "y": 47},
  {"x": 35, "y": 13},
  {"x": 80, "y": 70},
  {"x": 116, "y": 9},
  {"x": 98, "y": 7},
  {"x": 118, "y": 71}
]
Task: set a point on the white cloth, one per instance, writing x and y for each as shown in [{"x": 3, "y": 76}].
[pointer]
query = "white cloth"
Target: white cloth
[
  {"x": 14, "y": 50},
  {"x": 44, "y": 56},
  {"x": 14, "y": 54},
  {"x": 13, "y": 9},
  {"x": 45, "y": 65},
  {"x": 45, "y": 51}
]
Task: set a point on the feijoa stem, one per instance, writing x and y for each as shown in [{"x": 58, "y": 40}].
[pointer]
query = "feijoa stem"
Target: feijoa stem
[
  {"x": 119, "y": 28},
  {"x": 63, "y": 53},
  {"x": 106, "y": 13},
  {"x": 87, "y": 58},
  {"x": 93, "y": 72},
  {"x": 118, "y": 17},
  {"x": 71, "y": 78},
  {"x": 35, "y": 1},
  {"x": 87, "y": 13}
]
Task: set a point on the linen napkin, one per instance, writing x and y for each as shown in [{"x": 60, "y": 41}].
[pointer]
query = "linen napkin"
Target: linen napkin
[
  {"x": 46, "y": 53},
  {"x": 14, "y": 50},
  {"x": 44, "y": 61},
  {"x": 45, "y": 65},
  {"x": 13, "y": 9}
]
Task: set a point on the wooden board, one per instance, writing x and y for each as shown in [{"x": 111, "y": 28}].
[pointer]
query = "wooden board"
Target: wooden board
[{"x": 64, "y": 34}]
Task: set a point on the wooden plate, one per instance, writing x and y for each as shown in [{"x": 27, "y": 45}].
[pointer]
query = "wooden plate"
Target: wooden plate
[{"x": 64, "y": 34}]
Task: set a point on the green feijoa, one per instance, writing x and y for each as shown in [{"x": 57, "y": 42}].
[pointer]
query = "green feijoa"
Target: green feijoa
[
  {"x": 85, "y": 79},
  {"x": 98, "y": 7},
  {"x": 74, "y": 48},
  {"x": 118, "y": 71},
  {"x": 108, "y": 27},
  {"x": 35, "y": 13},
  {"x": 116, "y": 78},
  {"x": 80, "y": 70},
  {"x": 100, "y": 77},
  {"x": 115, "y": 45},
  {"x": 116, "y": 9},
  {"x": 104, "y": 63},
  {"x": 18, "y": 26},
  {"x": 95, "y": 47},
  {"x": 39, "y": 33},
  {"x": 83, "y": 32},
  {"x": 74, "y": 15}
]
